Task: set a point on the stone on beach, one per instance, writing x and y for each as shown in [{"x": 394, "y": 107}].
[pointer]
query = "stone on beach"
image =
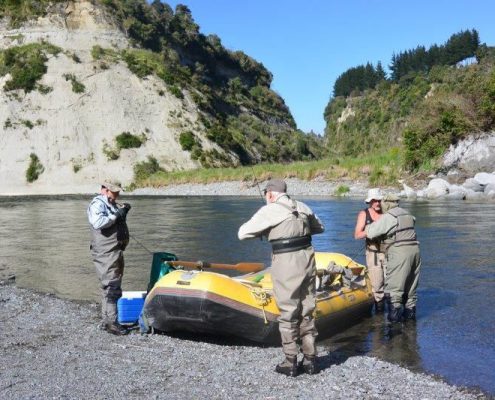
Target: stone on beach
[
  {"x": 437, "y": 188},
  {"x": 473, "y": 184},
  {"x": 484, "y": 178}
]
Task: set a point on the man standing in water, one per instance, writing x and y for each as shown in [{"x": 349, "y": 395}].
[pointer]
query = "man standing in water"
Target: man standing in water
[
  {"x": 109, "y": 238},
  {"x": 288, "y": 225},
  {"x": 403, "y": 261},
  {"x": 375, "y": 257}
]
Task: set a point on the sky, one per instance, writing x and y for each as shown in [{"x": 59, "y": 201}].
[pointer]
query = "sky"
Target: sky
[{"x": 307, "y": 44}]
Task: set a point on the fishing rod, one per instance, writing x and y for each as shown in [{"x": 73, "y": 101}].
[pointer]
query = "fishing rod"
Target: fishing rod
[
  {"x": 121, "y": 205},
  {"x": 142, "y": 245},
  {"x": 258, "y": 185},
  {"x": 356, "y": 254}
]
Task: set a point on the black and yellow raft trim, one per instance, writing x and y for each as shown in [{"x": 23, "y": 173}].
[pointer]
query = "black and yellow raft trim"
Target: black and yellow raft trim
[{"x": 213, "y": 303}]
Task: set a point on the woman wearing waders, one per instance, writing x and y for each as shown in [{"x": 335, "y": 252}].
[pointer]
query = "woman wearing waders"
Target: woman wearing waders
[
  {"x": 289, "y": 224},
  {"x": 375, "y": 257},
  {"x": 109, "y": 238}
]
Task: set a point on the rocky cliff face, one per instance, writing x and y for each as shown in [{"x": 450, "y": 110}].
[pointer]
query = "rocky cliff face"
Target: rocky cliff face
[
  {"x": 474, "y": 154},
  {"x": 72, "y": 131}
]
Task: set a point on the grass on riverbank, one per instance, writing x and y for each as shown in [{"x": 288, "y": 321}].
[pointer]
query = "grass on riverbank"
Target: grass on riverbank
[{"x": 379, "y": 170}]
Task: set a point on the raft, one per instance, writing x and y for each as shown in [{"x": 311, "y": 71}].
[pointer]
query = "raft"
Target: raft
[{"x": 213, "y": 303}]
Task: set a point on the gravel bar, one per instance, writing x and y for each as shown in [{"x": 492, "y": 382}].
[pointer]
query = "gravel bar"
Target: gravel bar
[
  {"x": 53, "y": 348},
  {"x": 295, "y": 187}
]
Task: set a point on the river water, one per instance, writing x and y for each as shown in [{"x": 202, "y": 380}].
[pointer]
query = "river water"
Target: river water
[{"x": 44, "y": 242}]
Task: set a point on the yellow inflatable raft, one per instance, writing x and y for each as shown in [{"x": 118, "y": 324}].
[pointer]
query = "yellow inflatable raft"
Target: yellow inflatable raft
[{"x": 214, "y": 303}]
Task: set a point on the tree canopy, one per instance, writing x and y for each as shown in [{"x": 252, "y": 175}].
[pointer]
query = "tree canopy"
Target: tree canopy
[{"x": 458, "y": 47}]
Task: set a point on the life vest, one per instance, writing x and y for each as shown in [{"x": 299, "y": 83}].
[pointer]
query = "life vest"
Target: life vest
[
  {"x": 374, "y": 245},
  {"x": 404, "y": 233}
]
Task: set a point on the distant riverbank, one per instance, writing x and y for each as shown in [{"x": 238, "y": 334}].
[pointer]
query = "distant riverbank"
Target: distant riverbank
[
  {"x": 479, "y": 187},
  {"x": 295, "y": 187}
]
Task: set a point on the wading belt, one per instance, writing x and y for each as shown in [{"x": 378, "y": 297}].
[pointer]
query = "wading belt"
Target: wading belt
[{"x": 280, "y": 246}]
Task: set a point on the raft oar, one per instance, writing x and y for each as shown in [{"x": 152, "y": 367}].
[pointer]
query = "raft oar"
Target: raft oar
[{"x": 241, "y": 267}]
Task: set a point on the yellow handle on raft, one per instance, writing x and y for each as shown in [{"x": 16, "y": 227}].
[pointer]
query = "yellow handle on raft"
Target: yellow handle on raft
[{"x": 241, "y": 267}]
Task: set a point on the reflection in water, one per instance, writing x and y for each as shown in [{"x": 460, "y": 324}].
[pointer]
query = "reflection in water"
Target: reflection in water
[
  {"x": 45, "y": 243},
  {"x": 375, "y": 337}
]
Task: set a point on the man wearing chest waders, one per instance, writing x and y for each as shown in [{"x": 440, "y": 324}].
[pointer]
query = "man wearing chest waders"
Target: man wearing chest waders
[
  {"x": 402, "y": 258},
  {"x": 289, "y": 224},
  {"x": 375, "y": 257},
  {"x": 109, "y": 238}
]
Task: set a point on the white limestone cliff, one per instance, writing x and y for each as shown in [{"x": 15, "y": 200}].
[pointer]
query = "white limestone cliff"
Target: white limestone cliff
[{"x": 69, "y": 130}]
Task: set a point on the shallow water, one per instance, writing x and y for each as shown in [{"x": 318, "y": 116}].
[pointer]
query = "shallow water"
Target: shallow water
[{"x": 45, "y": 243}]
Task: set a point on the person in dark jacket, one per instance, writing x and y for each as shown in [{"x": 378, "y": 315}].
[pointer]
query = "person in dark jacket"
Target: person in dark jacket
[{"x": 109, "y": 238}]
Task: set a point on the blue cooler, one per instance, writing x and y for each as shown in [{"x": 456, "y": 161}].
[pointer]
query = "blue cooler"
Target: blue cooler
[{"x": 129, "y": 307}]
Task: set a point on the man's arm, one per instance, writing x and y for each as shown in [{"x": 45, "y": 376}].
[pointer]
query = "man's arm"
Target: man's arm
[
  {"x": 315, "y": 224},
  {"x": 381, "y": 227},
  {"x": 359, "y": 232},
  {"x": 255, "y": 227},
  {"x": 98, "y": 215}
]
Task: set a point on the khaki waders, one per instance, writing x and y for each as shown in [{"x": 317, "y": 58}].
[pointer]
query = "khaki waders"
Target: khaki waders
[
  {"x": 375, "y": 261},
  {"x": 107, "y": 250},
  {"x": 293, "y": 276},
  {"x": 403, "y": 267}
]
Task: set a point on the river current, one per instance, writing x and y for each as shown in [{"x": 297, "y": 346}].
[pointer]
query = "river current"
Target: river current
[{"x": 44, "y": 242}]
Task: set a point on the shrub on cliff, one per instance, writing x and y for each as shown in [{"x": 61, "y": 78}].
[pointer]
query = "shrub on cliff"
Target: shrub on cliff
[
  {"x": 145, "y": 169},
  {"x": 19, "y": 11},
  {"x": 35, "y": 168},
  {"x": 127, "y": 140},
  {"x": 25, "y": 64}
]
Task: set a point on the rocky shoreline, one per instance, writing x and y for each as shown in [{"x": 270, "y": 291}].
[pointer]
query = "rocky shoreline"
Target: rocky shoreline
[
  {"x": 295, "y": 187},
  {"x": 479, "y": 187},
  {"x": 465, "y": 177},
  {"x": 53, "y": 348}
]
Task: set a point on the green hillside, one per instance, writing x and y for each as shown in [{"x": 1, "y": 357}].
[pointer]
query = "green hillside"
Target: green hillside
[
  {"x": 427, "y": 104},
  {"x": 238, "y": 110}
]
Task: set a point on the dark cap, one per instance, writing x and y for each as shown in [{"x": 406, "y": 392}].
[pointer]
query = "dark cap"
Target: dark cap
[{"x": 275, "y": 185}]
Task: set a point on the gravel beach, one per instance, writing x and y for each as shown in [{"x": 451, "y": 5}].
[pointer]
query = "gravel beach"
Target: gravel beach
[
  {"x": 295, "y": 187},
  {"x": 53, "y": 349}
]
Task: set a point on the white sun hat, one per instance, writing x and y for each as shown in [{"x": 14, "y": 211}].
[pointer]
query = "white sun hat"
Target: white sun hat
[{"x": 374, "y": 194}]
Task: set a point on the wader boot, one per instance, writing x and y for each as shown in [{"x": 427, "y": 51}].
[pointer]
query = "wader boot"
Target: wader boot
[
  {"x": 395, "y": 314},
  {"x": 309, "y": 365},
  {"x": 379, "y": 306},
  {"x": 410, "y": 314},
  {"x": 308, "y": 333},
  {"x": 109, "y": 312},
  {"x": 288, "y": 367},
  {"x": 116, "y": 329},
  {"x": 387, "y": 302}
]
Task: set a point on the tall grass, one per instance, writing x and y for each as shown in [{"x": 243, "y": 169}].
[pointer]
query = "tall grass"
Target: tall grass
[{"x": 379, "y": 169}]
